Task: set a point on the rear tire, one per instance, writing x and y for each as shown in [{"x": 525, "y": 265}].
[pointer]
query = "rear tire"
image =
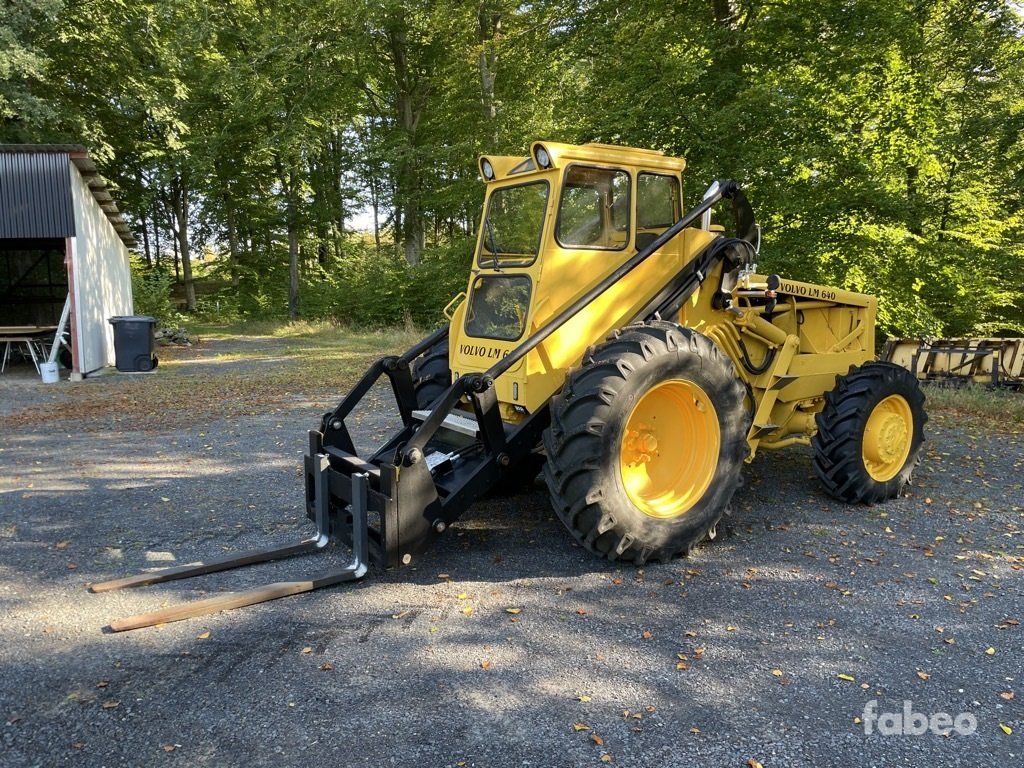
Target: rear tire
[
  {"x": 431, "y": 374},
  {"x": 646, "y": 443},
  {"x": 870, "y": 433}
]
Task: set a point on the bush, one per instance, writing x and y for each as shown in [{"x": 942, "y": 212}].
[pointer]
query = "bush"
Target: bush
[{"x": 151, "y": 292}]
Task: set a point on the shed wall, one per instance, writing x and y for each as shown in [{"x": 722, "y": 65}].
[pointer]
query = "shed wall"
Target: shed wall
[{"x": 101, "y": 276}]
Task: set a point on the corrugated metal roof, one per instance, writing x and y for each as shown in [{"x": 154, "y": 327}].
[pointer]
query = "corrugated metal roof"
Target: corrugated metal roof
[{"x": 33, "y": 202}]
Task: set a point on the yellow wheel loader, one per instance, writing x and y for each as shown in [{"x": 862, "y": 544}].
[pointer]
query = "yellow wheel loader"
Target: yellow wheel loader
[{"x": 627, "y": 350}]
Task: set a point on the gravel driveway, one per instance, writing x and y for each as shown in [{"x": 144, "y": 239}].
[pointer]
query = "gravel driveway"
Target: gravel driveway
[{"x": 507, "y": 645}]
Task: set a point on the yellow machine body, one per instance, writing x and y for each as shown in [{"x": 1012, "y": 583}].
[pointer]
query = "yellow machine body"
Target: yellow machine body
[{"x": 813, "y": 333}]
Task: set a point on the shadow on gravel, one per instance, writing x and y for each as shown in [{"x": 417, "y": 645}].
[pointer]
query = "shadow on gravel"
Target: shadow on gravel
[{"x": 507, "y": 644}]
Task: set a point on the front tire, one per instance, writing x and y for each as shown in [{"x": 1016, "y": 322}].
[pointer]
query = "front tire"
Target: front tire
[
  {"x": 646, "y": 443},
  {"x": 870, "y": 433},
  {"x": 431, "y": 374}
]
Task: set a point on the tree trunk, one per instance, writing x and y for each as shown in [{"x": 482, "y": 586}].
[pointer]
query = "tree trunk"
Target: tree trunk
[
  {"x": 181, "y": 212},
  {"x": 410, "y": 97},
  {"x": 489, "y": 21},
  {"x": 913, "y": 201},
  {"x": 293, "y": 246},
  {"x": 156, "y": 231},
  {"x": 232, "y": 242},
  {"x": 145, "y": 241}
]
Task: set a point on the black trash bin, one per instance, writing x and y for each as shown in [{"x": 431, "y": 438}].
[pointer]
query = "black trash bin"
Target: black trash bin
[{"x": 133, "y": 343}]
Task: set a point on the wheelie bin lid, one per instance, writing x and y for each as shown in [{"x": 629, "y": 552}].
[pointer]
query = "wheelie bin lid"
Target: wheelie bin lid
[{"x": 131, "y": 319}]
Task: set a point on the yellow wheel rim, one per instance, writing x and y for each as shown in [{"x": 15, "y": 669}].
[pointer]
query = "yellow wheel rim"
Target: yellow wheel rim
[
  {"x": 887, "y": 438},
  {"x": 669, "y": 449}
]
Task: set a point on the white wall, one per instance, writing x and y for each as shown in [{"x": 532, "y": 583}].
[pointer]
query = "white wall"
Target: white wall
[{"x": 101, "y": 275}]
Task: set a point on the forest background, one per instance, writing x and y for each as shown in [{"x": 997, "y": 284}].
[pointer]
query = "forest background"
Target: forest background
[{"x": 880, "y": 140}]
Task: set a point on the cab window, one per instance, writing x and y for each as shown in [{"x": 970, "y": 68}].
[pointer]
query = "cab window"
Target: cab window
[
  {"x": 594, "y": 209},
  {"x": 657, "y": 201},
  {"x": 512, "y": 225},
  {"x": 498, "y": 305}
]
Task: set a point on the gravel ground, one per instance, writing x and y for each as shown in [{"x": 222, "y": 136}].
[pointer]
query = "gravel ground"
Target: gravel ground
[{"x": 507, "y": 645}]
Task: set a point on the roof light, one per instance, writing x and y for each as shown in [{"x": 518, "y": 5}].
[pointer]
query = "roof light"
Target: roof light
[
  {"x": 542, "y": 156},
  {"x": 486, "y": 169}
]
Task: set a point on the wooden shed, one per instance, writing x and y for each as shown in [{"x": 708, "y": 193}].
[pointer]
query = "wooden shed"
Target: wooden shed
[{"x": 62, "y": 238}]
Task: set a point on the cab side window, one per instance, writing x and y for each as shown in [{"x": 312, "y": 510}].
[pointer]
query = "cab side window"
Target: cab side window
[
  {"x": 657, "y": 201},
  {"x": 594, "y": 209}
]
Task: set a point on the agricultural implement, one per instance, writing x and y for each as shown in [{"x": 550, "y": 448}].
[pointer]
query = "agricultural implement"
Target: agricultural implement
[
  {"x": 960, "y": 362},
  {"x": 628, "y": 351}
]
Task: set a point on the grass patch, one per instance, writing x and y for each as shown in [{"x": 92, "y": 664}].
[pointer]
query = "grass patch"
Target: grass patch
[
  {"x": 249, "y": 370},
  {"x": 998, "y": 409}
]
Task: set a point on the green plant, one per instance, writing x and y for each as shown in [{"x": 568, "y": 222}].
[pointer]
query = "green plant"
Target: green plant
[{"x": 151, "y": 292}]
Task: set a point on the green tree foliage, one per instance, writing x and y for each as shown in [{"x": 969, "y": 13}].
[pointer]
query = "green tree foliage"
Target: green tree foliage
[{"x": 881, "y": 141}]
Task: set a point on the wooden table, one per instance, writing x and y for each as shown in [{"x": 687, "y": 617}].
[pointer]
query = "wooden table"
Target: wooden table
[{"x": 32, "y": 337}]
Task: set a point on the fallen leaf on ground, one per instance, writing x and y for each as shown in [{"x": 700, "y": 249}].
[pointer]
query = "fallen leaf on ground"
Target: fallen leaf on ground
[
  {"x": 596, "y": 739},
  {"x": 485, "y": 664},
  {"x": 111, "y": 704},
  {"x": 203, "y": 636},
  {"x": 583, "y": 698},
  {"x": 777, "y": 672},
  {"x": 922, "y": 675},
  {"x": 1006, "y": 729},
  {"x": 647, "y": 635},
  {"x": 847, "y": 678},
  {"x": 606, "y": 758},
  {"x": 513, "y": 611},
  {"x": 401, "y": 615},
  {"x": 752, "y": 763},
  {"x": 307, "y": 649},
  {"x": 468, "y": 610},
  {"x": 326, "y": 666},
  {"x": 580, "y": 727},
  {"x": 1006, "y": 695},
  {"x": 990, "y": 651},
  {"x": 169, "y": 747}
]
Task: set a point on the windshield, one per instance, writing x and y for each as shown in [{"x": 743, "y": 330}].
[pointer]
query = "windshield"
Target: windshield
[{"x": 512, "y": 224}]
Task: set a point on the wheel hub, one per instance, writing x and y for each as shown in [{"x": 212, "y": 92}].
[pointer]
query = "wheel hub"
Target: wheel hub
[
  {"x": 669, "y": 449},
  {"x": 887, "y": 438}
]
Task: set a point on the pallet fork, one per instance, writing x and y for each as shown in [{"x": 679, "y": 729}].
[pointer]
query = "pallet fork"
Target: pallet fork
[{"x": 356, "y": 569}]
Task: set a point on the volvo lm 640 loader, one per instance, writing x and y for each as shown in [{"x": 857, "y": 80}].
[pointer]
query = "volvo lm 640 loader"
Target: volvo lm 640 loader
[{"x": 629, "y": 352}]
